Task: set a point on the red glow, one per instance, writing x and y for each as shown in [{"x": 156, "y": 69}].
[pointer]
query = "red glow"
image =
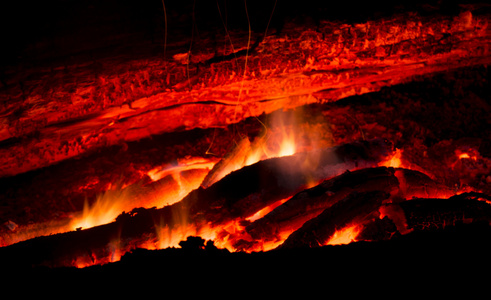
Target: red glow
[
  {"x": 467, "y": 156},
  {"x": 394, "y": 161},
  {"x": 340, "y": 61},
  {"x": 345, "y": 236}
]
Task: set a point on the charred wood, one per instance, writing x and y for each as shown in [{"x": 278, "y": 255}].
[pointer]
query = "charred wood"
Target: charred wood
[
  {"x": 291, "y": 215},
  {"x": 309, "y": 203},
  {"x": 237, "y": 195},
  {"x": 382, "y": 221},
  {"x": 435, "y": 214},
  {"x": 120, "y": 99},
  {"x": 244, "y": 192},
  {"x": 355, "y": 208},
  {"x": 414, "y": 184}
]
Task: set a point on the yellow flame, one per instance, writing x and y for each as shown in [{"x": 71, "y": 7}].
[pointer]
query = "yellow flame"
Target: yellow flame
[
  {"x": 114, "y": 201},
  {"x": 105, "y": 209},
  {"x": 345, "y": 236},
  {"x": 467, "y": 156},
  {"x": 394, "y": 161},
  {"x": 261, "y": 213},
  {"x": 191, "y": 163}
]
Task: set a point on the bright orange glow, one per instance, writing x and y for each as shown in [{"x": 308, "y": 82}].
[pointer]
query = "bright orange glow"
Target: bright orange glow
[
  {"x": 278, "y": 140},
  {"x": 105, "y": 210},
  {"x": 288, "y": 146},
  {"x": 213, "y": 101},
  {"x": 114, "y": 201},
  {"x": 115, "y": 253},
  {"x": 345, "y": 236},
  {"x": 266, "y": 210},
  {"x": 467, "y": 156},
  {"x": 394, "y": 161},
  {"x": 276, "y": 144},
  {"x": 182, "y": 165},
  {"x": 172, "y": 183}
]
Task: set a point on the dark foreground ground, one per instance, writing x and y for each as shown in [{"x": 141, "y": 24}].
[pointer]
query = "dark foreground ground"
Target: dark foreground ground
[{"x": 457, "y": 256}]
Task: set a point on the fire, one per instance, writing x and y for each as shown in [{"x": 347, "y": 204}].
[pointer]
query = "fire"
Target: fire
[
  {"x": 114, "y": 254},
  {"x": 119, "y": 199},
  {"x": 278, "y": 139},
  {"x": 182, "y": 165},
  {"x": 106, "y": 208},
  {"x": 467, "y": 156},
  {"x": 394, "y": 161},
  {"x": 345, "y": 236},
  {"x": 170, "y": 183},
  {"x": 277, "y": 143},
  {"x": 266, "y": 210}
]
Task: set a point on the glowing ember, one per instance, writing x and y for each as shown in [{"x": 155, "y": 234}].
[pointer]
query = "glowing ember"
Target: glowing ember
[
  {"x": 106, "y": 208},
  {"x": 265, "y": 210},
  {"x": 394, "y": 161},
  {"x": 182, "y": 165},
  {"x": 345, "y": 235},
  {"x": 371, "y": 59},
  {"x": 280, "y": 138},
  {"x": 276, "y": 142},
  {"x": 115, "y": 201},
  {"x": 467, "y": 156}
]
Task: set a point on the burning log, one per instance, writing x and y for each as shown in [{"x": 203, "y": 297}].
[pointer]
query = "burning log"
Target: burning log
[
  {"x": 400, "y": 183},
  {"x": 87, "y": 105},
  {"x": 355, "y": 209},
  {"x": 416, "y": 184},
  {"x": 238, "y": 195},
  {"x": 307, "y": 204},
  {"x": 434, "y": 214},
  {"x": 242, "y": 193},
  {"x": 98, "y": 245},
  {"x": 373, "y": 220}
]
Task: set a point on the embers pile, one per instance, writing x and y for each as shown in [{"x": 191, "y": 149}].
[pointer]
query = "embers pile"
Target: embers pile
[
  {"x": 361, "y": 202},
  {"x": 355, "y": 186}
]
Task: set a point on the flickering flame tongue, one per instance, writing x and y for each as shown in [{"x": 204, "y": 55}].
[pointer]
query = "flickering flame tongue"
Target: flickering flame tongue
[
  {"x": 393, "y": 161},
  {"x": 106, "y": 208},
  {"x": 345, "y": 235},
  {"x": 170, "y": 183},
  {"x": 277, "y": 141},
  {"x": 173, "y": 182},
  {"x": 467, "y": 156}
]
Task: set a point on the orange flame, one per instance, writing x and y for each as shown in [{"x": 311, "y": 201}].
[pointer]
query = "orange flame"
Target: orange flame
[
  {"x": 114, "y": 201},
  {"x": 276, "y": 144},
  {"x": 394, "y": 161},
  {"x": 266, "y": 210},
  {"x": 182, "y": 165},
  {"x": 172, "y": 182},
  {"x": 277, "y": 141},
  {"x": 467, "y": 156},
  {"x": 105, "y": 210},
  {"x": 345, "y": 236}
]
